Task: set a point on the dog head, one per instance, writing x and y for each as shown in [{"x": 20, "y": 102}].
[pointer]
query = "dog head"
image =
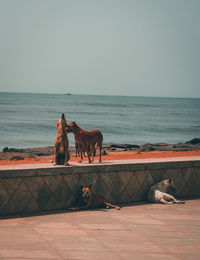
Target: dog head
[
  {"x": 170, "y": 185},
  {"x": 61, "y": 123},
  {"x": 71, "y": 127},
  {"x": 86, "y": 193}
]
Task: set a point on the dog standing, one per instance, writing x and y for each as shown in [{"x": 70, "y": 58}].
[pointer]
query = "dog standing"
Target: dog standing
[
  {"x": 79, "y": 149},
  {"x": 61, "y": 149},
  {"x": 89, "y": 201},
  {"x": 86, "y": 140},
  {"x": 159, "y": 192}
]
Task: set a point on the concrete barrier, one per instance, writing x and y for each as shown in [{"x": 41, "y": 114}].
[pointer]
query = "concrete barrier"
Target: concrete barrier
[{"x": 32, "y": 188}]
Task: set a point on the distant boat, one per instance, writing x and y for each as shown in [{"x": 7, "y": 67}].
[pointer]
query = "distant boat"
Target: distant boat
[{"x": 68, "y": 94}]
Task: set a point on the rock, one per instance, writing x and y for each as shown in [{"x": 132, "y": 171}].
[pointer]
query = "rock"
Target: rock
[
  {"x": 160, "y": 144},
  {"x": 194, "y": 141},
  {"x": 17, "y": 158},
  {"x": 104, "y": 152},
  {"x": 40, "y": 154},
  {"x": 124, "y": 146},
  {"x": 132, "y": 146},
  {"x": 12, "y": 150},
  {"x": 147, "y": 148},
  {"x": 181, "y": 146},
  {"x": 116, "y": 146},
  {"x": 31, "y": 156},
  {"x": 5, "y": 150}
]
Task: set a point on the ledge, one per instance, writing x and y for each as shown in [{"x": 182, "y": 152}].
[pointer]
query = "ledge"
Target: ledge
[{"x": 75, "y": 167}]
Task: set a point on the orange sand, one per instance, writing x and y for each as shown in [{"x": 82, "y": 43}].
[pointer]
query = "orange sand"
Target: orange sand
[{"x": 111, "y": 156}]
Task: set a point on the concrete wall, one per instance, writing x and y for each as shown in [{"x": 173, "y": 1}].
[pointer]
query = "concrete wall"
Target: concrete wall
[{"x": 51, "y": 188}]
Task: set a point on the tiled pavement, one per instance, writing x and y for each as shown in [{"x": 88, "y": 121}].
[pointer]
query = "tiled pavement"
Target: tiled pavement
[{"x": 146, "y": 231}]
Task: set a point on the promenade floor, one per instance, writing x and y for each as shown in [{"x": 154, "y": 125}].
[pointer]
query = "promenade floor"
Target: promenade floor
[{"x": 143, "y": 231}]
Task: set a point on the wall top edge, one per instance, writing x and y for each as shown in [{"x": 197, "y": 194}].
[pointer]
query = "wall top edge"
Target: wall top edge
[{"x": 108, "y": 166}]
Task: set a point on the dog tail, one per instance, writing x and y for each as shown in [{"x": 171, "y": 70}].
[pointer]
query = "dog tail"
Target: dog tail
[{"x": 180, "y": 202}]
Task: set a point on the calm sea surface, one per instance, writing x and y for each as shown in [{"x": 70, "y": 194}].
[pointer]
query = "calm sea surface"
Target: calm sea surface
[{"x": 27, "y": 120}]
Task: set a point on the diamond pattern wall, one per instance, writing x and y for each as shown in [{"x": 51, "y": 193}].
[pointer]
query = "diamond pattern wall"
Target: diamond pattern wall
[{"x": 60, "y": 190}]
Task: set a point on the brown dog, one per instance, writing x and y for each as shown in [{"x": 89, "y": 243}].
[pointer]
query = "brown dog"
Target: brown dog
[
  {"x": 79, "y": 149},
  {"x": 86, "y": 140},
  {"x": 88, "y": 200},
  {"x": 61, "y": 149}
]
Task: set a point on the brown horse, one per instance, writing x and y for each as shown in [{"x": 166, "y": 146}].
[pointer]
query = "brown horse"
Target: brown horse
[
  {"x": 61, "y": 149},
  {"x": 86, "y": 140}
]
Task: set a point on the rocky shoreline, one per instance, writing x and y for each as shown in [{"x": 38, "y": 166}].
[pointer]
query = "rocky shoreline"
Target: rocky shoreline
[{"x": 20, "y": 154}]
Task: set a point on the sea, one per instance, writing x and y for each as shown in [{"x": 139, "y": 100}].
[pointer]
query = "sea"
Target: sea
[{"x": 28, "y": 120}]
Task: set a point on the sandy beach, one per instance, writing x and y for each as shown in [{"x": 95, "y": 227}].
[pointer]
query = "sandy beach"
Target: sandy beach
[{"x": 12, "y": 156}]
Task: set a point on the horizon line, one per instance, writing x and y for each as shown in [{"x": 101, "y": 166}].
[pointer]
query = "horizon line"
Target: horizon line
[{"x": 81, "y": 94}]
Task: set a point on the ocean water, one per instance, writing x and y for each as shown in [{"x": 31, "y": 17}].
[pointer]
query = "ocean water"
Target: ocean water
[{"x": 27, "y": 120}]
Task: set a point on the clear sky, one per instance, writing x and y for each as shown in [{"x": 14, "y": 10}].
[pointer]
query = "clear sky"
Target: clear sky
[{"x": 114, "y": 47}]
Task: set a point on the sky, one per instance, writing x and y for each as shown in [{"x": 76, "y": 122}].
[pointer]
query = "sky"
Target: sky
[{"x": 103, "y": 47}]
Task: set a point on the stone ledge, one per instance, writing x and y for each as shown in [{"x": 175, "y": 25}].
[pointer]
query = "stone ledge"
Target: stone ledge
[{"x": 45, "y": 169}]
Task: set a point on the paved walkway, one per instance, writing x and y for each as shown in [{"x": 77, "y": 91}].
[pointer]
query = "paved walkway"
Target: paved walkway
[{"x": 148, "y": 231}]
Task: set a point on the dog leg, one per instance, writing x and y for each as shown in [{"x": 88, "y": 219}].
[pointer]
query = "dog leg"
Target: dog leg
[
  {"x": 174, "y": 200},
  {"x": 88, "y": 154},
  {"x": 100, "y": 149},
  {"x": 55, "y": 156},
  {"x": 163, "y": 201},
  {"x": 84, "y": 154},
  {"x": 81, "y": 152},
  {"x": 100, "y": 142},
  {"x": 93, "y": 152},
  {"x": 179, "y": 202},
  {"x": 108, "y": 205},
  {"x": 67, "y": 157},
  {"x": 77, "y": 151}
]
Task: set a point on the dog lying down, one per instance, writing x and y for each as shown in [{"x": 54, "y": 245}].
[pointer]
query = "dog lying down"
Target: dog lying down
[
  {"x": 158, "y": 193},
  {"x": 90, "y": 201}
]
